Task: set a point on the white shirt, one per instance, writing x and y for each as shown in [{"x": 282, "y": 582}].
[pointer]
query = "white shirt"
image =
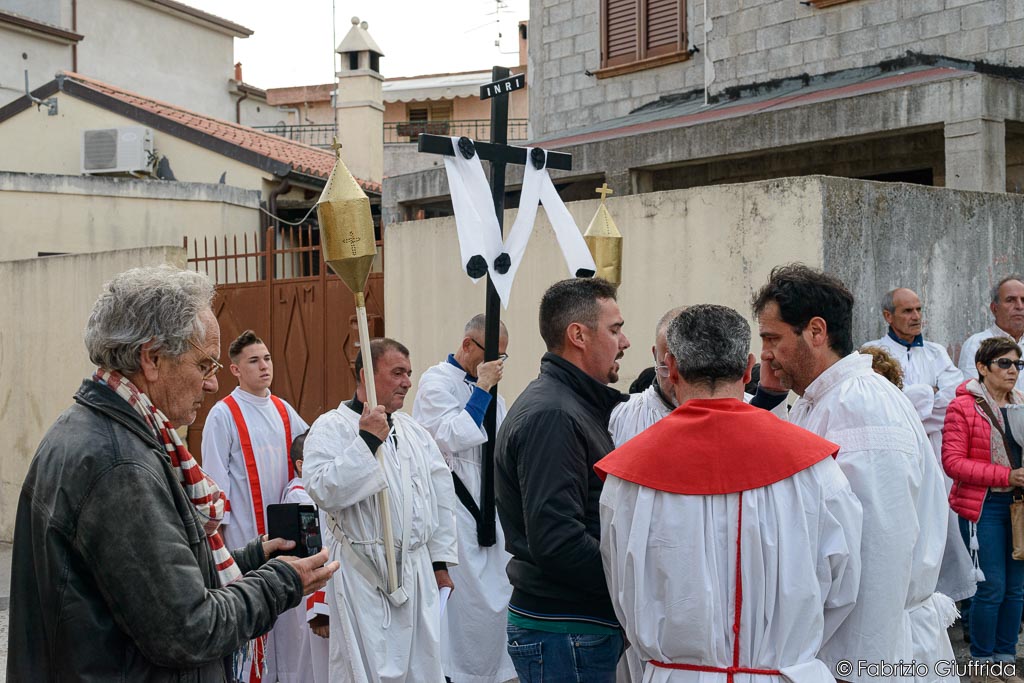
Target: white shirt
[
  {"x": 371, "y": 639},
  {"x": 970, "y": 349},
  {"x": 301, "y": 656},
  {"x": 224, "y": 462},
  {"x": 645, "y": 408},
  {"x": 886, "y": 456},
  {"x": 670, "y": 561},
  {"x": 473, "y": 641}
]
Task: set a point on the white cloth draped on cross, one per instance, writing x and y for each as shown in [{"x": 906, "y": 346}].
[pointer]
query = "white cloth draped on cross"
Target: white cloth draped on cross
[{"x": 480, "y": 242}]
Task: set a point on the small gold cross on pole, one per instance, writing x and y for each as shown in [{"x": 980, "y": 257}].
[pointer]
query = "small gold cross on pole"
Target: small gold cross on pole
[
  {"x": 604, "y": 190},
  {"x": 336, "y": 146}
]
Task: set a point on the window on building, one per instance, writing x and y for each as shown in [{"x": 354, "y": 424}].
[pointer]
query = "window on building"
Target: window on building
[{"x": 638, "y": 34}]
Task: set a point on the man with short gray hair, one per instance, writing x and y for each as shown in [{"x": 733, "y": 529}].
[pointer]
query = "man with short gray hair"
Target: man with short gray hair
[
  {"x": 764, "y": 559},
  {"x": 1007, "y": 306},
  {"x": 119, "y": 571}
]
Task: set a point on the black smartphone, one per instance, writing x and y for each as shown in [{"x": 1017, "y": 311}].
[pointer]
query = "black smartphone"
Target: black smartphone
[{"x": 295, "y": 522}]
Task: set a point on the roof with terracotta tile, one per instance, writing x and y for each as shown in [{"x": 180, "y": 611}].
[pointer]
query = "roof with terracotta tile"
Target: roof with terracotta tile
[{"x": 259, "y": 148}]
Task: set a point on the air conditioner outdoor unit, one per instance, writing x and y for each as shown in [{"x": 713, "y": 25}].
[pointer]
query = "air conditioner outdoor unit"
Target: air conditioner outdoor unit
[{"x": 117, "y": 150}]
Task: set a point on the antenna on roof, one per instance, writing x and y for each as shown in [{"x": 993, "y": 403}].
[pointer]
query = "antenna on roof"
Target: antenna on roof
[{"x": 50, "y": 104}]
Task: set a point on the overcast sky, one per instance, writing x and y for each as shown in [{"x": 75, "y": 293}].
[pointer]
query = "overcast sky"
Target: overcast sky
[{"x": 292, "y": 43}]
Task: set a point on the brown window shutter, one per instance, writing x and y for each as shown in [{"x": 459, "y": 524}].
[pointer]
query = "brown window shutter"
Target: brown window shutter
[
  {"x": 663, "y": 33},
  {"x": 621, "y": 22}
]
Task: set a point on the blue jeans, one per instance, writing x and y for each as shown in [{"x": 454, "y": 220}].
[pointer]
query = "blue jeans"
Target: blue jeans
[
  {"x": 542, "y": 657},
  {"x": 996, "y": 607}
]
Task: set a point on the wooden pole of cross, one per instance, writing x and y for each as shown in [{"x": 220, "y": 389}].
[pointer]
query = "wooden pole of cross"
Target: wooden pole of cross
[{"x": 500, "y": 154}]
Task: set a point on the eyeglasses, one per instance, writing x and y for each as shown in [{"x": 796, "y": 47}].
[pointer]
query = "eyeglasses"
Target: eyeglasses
[
  {"x": 1006, "y": 364},
  {"x": 660, "y": 369},
  {"x": 215, "y": 365},
  {"x": 501, "y": 356}
]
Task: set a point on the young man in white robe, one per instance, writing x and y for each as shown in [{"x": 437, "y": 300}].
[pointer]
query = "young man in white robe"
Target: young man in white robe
[
  {"x": 1007, "y": 308},
  {"x": 451, "y": 401},
  {"x": 805, "y": 323},
  {"x": 246, "y": 440},
  {"x": 377, "y": 635},
  {"x": 930, "y": 380},
  {"x": 730, "y": 538},
  {"x": 302, "y": 656}
]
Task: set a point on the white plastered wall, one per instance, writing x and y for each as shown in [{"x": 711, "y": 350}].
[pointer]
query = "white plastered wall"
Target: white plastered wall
[{"x": 704, "y": 245}]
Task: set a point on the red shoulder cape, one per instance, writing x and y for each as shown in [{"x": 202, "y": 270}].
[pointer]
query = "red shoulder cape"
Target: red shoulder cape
[{"x": 715, "y": 446}]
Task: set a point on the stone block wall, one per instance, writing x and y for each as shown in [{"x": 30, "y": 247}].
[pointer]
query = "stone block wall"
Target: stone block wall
[{"x": 753, "y": 41}]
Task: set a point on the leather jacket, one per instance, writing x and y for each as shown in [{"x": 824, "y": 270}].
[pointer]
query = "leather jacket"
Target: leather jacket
[{"x": 112, "y": 577}]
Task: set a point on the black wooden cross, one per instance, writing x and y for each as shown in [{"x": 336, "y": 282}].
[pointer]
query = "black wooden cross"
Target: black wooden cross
[{"x": 499, "y": 153}]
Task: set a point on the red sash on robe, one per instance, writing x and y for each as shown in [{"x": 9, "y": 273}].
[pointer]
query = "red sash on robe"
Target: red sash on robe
[{"x": 715, "y": 446}]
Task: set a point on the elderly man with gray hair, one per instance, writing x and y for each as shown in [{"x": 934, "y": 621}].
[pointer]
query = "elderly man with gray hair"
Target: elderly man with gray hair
[
  {"x": 1007, "y": 306},
  {"x": 730, "y": 538},
  {"x": 118, "y": 570}
]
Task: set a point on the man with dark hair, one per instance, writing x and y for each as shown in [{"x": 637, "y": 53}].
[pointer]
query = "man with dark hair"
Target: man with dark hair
[
  {"x": 763, "y": 562},
  {"x": 1007, "y": 306},
  {"x": 451, "y": 401},
  {"x": 547, "y": 491},
  {"x": 377, "y": 634},
  {"x": 805, "y": 317},
  {"x": 246, "y": 440}
]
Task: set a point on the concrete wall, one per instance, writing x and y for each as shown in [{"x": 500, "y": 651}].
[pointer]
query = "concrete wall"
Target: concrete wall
[
  {"x": 711, "y": 244},
  {"x": 42, "y": 359},
  {"x": 78, "y": 214},
  {"x": 753, "y": 41},
  {"x": 139, "y": 47},
  {"x": 717, "y": 244},
  {"x": 45, "y": 58},
  {"x": 949, "y": 246}
]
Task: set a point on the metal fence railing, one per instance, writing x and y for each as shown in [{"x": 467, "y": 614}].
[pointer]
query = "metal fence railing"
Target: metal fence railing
[{"x": 395, "y": 132}]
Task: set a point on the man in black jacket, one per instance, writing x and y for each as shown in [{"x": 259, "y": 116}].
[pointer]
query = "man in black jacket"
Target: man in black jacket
[
  {"x": 548, "y": 493},
  {"x": 118, "y": 570}
]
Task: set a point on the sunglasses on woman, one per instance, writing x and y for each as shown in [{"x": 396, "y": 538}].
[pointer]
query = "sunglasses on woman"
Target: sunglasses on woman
[{"x": 1006, "y": 363}]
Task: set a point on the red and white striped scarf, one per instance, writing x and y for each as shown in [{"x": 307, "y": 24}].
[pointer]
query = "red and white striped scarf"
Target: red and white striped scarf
[{"x": 204, "y": 493}]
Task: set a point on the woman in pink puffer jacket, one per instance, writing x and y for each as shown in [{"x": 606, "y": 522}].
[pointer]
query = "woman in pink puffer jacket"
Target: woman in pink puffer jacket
[{"x": 985, "y": 469}]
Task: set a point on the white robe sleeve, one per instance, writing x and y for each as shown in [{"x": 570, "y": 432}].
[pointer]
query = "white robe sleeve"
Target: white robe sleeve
[
  {"x": 948, "y": 378},
  {"x": 839, "y": 534},
  {"x": 967, "y": 353},
  {"x": 218, "y": 433},
  {"x": 923, "y": 398},
  {"x": 443, "y": 544},
  {"x": 443, "y": 415},
  {"x": 338, "y": 468}
]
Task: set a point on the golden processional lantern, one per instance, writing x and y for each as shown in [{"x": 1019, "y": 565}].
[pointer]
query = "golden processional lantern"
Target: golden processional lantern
[
  {"x": 350, "y": 246},
  {"x": 605, "y": 241}
]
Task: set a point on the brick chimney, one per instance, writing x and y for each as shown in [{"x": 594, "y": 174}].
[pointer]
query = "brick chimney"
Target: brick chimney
[{"x": 238, "y": 72}]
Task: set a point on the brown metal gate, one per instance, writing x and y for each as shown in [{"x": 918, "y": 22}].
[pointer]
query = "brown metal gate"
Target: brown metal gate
[{"x": 281, "y": 288}]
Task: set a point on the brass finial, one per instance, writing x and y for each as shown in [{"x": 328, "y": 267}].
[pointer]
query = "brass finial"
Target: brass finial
[
  {"x": 605, "y": 241},
  {"x": 346, "y": 228},
  {"x": 336, "y": 146}
]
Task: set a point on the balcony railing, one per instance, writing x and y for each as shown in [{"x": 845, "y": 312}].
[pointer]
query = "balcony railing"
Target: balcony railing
[{"x": 322, "y": 134}]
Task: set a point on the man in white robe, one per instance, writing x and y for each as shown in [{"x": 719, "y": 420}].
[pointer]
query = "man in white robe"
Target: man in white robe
[
  {"x": 645, "y": 408},
  {"x": 805, "y": 321},
  {"x": 246, "y": 440},
  {"x": 1007, "y": 307},
  {"x": 376, "y": 635},
  {"x": 720, "y": 492},
  {"x": 302, "y": 657},
  {"x": 929, "y": 380},
  {"x": 653, "y": 403},
  {"x": 451, "y": 401}
]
